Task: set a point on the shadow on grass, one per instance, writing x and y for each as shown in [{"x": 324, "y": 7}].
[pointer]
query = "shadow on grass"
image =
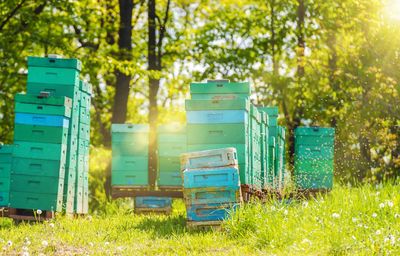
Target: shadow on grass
[{"x": 174, "y": 225}]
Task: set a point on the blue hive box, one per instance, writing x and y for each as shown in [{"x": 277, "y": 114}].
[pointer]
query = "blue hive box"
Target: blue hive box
[
  {"x": 211, "y": 177},
  {"x": 216, "y": 116},
  {"x": 152, "y": 202},
  {"x": 209, "y": 212},
  {"x": 45, "y": 120}
]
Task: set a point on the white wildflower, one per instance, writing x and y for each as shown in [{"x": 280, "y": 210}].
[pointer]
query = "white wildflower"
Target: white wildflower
[
  {"x": 24, "y": 248},
  {"x": 374, "y": 215},
  {"x": 27, "y": 242},
  {"x": 285, "y": 212},
  {"x": 335, "y": 215},
  {"x": 45, "y": 243},
  {"x": 365, "y": 226},
  {"x": 396, "y": 215},
  {"x": 9, "y": 243},
  {"x": 390, "y": 239},
  {"x": 39, "y": 211},
  {"x": 378, "y": 232},
  {"x": 354, "y": 238},
  {"x": 51, "y": 225},
  {"x": 306, "y": 241},
  {"x": 273, "y": 208},
  {"x": 378, "y": 193},
  {"x": 354, "y": 219},
  {"x": 25, "y": 254},
  {"x": 381, "y": 205},
  {"x": 305, "y": 204},
  {"x": 91, "y": 244},
  {"x": 360, "y": 225},
  {"x": 390, "y": 204},
  {"x": 120, "y": 248},
  {"x": 107, "y": 243}
]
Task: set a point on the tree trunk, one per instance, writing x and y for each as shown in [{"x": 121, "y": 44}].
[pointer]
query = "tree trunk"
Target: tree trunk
[
  {"x": 119, "y": 109},
  {"x": 298, "y": 110},
  {"x": 154, "y": 84}
]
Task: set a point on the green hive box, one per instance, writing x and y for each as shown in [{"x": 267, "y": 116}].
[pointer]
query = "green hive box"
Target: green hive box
[
  {"x": 314, "y": 154},
  {"x": 255, "y": 140},
  {"x": 44, "y": 134},
  {"x": 273, "y": 113},
  {"x": 126, "y": 163},
  {"x": 30, "y": 200},
  {"x": 38, "y": 167},
  {"x": 42, "y": 100},
  {"x": 130, "y": 178},
  {"x": 264, "y": 150},
  {"x": 70, "y": 91},
  {"x": 129, "y": 139},
  {"x": 42, "y": 109},
  {"x": 53, "y": 76},
  {"x": 220, "y": 87},
  {"x": 217, "y": 133},
  {"x": 54, "y": 63},
  {"x": 44, "y": 151},
  {"x": 37, "y": 184}
]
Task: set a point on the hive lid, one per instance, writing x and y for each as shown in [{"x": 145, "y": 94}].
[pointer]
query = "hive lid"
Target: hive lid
[
  {"x": 54, "y": 62},
  {"x": 314, "y": 131},
  {"x": 220, "y": 87},
  {"x": 129, "y": 128}
]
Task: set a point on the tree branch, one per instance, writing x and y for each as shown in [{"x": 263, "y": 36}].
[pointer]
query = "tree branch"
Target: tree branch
[
  {"x": 11, "y": 14},
  {"x": 162, "y": 33}
]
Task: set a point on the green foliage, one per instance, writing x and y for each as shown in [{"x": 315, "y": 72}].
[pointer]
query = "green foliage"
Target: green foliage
[{"x": 350, "y": 65}]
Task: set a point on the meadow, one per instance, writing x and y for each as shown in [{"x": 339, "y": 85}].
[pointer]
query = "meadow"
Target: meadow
[{"x": 348, "y": 221}]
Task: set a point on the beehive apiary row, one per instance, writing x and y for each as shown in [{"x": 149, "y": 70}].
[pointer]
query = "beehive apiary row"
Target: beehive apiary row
[
  {"x": 50, "y": 159},
  {"x": 211, "y": 185},
  {"x": 314, "y": 154}
]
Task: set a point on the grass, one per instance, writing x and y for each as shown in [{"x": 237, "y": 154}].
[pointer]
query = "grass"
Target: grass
[{"x": 348, "y": 221}]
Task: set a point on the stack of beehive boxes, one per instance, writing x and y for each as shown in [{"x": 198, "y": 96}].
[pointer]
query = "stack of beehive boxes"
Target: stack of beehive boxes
[
  {"x": 211, "y": 185},
  {"x": 82, "y": 154},
  {"x": 314, "y": 158},
  {"x": 255, "y": 142},
  {"x": 171, "y": 139},
  {"x": 276, "y": 169},
  {"x": 264, "y": 151},
  {"x": 40, "y": 150},
  {"x": 51, "y": 82},
  {"x": 5, "y": 172},
  {"x": 218, "y": 116},
  {"x": 130, "y": 146}
]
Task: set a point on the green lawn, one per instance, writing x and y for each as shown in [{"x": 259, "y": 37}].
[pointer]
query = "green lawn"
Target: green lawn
[{"x": 348, "y": 221}]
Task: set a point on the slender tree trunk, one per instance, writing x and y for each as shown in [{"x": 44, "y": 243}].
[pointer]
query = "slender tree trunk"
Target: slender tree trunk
[
  {"x": 298, "y": 111},
  {"x": 120, "y": 103},
  {"x": 154, "y": 84}
]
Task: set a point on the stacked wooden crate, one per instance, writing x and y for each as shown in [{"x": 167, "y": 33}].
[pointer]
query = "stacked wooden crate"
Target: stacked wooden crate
[
  {"x": 211, "y": 184},
  {"x": 40, "y": 150},
  {"x": 5, "y": 172}
]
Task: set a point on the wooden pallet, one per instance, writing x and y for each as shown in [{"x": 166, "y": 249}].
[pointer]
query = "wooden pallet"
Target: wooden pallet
[
  {"x": 166, "y": 210},
  {"x": 30, "y": 215},
  {"x": 216, "y": 224}
]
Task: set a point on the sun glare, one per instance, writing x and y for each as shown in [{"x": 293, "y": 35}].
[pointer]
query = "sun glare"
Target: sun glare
[{"x": 392, "y": 10}]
